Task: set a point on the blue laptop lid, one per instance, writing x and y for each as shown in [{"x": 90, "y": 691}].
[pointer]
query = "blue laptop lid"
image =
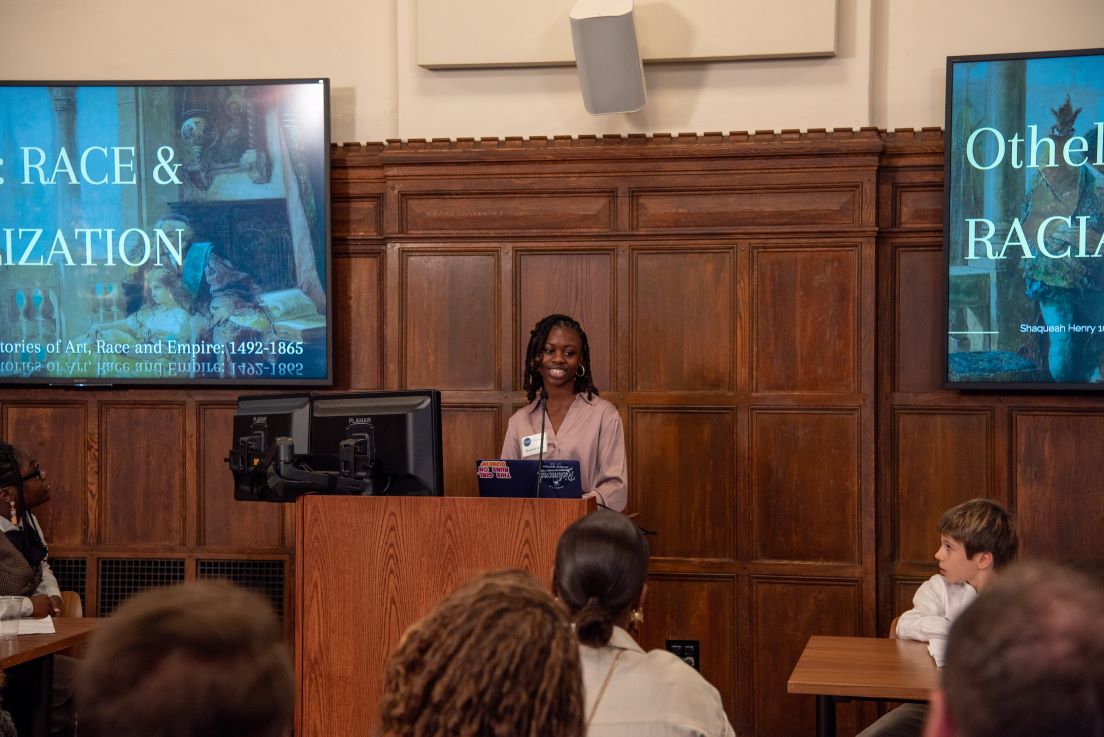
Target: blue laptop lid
[{"x": 518, "y": 479}]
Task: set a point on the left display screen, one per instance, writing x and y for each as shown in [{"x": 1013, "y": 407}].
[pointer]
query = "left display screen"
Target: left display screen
[{"x": 165, "y": 232}]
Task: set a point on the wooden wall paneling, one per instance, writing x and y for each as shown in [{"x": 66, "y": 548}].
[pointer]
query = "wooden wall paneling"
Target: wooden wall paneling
[
  {"x": 143, "y": 499},
  {"x": 785, "y": 612},
  {"x": 579, "y": 283},
  {"x": 469, "y": 433},
  {"x": 356, "y": 192},
  {"x": 756, "y": 205},
  {"x": 910, "y": 185},
  {"x": 683, "y": 312},
  {"x": 354, "y": 216},
  {"x": 909, "y": 315},
  {"x": 223, "y": 521},
  {"x": 941, "y": 457},
  {"x": 919, "y": 333},
  {"x": 621, "y": 339},
  {"x": 682, "y": 475},
  {"x": 450, "y": 318},
  {"x": 53, "y": 433},
  {"x": 703, "y": 608},
  {"x": 903, "y": 591},
  {"x": 803, "y": 510},
  {"x": 358, "y": 320},
  {"x": 1058, "y": 500},
  {"x": 805, "y": 318},
  {"x": 516, "y": 208},
  {"x": 742, "y": 329}
]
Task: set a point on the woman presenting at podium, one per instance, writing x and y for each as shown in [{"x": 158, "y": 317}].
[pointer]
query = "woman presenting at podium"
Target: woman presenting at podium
[{"x": 578, "y": 425}]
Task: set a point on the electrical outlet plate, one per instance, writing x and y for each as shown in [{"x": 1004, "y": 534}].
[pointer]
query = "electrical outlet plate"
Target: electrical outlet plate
[{"x": 688, "y": 650}]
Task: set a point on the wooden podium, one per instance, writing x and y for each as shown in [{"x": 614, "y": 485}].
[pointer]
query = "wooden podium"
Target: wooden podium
[{"x": 367, "y": 568}]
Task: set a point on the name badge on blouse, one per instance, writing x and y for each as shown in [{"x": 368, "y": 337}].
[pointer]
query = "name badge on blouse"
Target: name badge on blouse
[{"x": 531, "y": 445}]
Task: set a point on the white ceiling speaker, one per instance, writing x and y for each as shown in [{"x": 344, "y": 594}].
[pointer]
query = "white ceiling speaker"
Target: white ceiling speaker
[{"x": 610, "y": 72}]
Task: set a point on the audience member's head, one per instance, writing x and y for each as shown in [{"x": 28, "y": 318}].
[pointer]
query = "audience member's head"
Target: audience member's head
[
  {"x": 197, "y": 660},
  {"x": 601, "y": 567},
  {"x": 1026, "y": 659},
  {"x": 982, "y": 526},
  {"x": 496, "y": 657}
]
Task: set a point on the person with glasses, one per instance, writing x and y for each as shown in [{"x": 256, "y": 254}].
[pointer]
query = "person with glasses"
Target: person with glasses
[{"x": 23, "y": 567}]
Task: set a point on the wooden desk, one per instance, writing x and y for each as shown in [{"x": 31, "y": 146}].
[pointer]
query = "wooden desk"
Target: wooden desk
[
  {"x": 28, "y": 663},
  {"x": 861, "y": 668}
]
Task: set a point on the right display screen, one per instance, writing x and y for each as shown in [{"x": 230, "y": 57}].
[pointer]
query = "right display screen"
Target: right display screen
[{"x": 1024, "y": 221}]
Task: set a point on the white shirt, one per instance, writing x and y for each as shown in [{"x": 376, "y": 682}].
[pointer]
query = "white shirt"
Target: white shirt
[
  {"x": 934, "y": 607},
  {"x": 653, "y": 694},
  {"x": 49, "y": 585}
]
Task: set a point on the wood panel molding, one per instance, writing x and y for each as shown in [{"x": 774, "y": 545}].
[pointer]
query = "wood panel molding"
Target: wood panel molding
[
  {"x": 357, "y": 217},
  {"x": 807, "y": 326},
  {"x": 144, "y": 498},
  {"x": 450, "y": 214},
  {"x": 681, "y": 476},
  {"x": 755, "y": 206},
  {"x": 683, "y": 310},
  {"x": 1058, "y": 502},
  {"x": 469, "y": 433},
  {"x": 442, "y": 346},
  {"x": 801, "y": 510},
  {"x": 957, "y": 442},
  {"x": 53, "y": 432},
  {"x": 785, "y": 612}
]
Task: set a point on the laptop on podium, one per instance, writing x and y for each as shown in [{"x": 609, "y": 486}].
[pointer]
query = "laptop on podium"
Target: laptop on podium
[{"x": 518, "y": 479}]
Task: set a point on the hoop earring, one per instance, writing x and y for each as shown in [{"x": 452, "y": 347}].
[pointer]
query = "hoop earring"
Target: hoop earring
[{"x": 581, "y": 371}]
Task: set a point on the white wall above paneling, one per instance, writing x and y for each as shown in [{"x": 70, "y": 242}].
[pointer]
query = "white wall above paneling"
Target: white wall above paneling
[{"x": 526, "y": 33}]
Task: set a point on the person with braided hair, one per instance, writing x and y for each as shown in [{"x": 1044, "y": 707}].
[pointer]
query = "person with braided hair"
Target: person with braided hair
[
  {"x": 23, "y": 567},
  {"x": 24, "y": 570},
  {"x": 600, "y": 574},
  {"x": 496, "y": 657},
  {"x": 577, "y": 423}
]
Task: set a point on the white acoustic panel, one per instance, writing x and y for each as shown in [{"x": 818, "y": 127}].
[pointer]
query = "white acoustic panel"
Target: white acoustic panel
[{"x": 519, "y": 33}]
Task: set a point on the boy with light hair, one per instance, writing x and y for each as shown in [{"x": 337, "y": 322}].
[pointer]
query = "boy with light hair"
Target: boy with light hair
[{"x": 976, "y": 539}]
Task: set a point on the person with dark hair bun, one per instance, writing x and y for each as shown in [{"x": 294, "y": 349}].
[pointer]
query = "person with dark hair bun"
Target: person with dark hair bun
[
  {"x": 601, "y": 567},
  {"x": 579, "y": 425}
]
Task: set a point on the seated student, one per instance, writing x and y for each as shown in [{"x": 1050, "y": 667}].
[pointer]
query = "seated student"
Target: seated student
[
  {"x": 496, "y": 657},
  {"x": 197, "y": 660},
  {"x": 601, "y": 565},
  {"x": 976, "y": 539},
  {"x": 24, "y": 569},
  {"x": 1026, "y": 660}
]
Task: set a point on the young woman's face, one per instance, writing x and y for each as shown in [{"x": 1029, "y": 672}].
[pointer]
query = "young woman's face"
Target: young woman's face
[
  {"x": 561, "y": 357},
  {"x": 161, "y": 295}
]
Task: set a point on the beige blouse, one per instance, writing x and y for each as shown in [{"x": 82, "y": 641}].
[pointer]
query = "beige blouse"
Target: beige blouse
[
  {"x": 590, "y": 433},
  {"x": 653, "y": 694}
]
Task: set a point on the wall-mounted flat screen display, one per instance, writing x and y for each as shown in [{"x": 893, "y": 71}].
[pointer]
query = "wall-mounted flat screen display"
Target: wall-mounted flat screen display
[
  {"x": 165, "y": 232},
  {"x": 1024, "y": 221}
]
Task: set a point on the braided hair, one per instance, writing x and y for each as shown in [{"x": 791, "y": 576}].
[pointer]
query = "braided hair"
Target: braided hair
[
  {"x": 533, "y": 382},
  {"x": 601, "y": 567},
  {"x": 11, "y": 476},
  {"x": 496, "y": 657}
]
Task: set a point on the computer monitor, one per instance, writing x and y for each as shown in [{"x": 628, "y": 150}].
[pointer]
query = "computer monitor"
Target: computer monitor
[
  {"x": 258, "y": 422},
  {"x": 391, "y": 439}
]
